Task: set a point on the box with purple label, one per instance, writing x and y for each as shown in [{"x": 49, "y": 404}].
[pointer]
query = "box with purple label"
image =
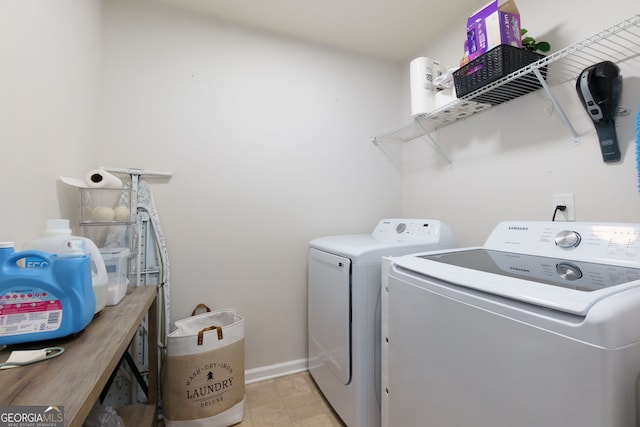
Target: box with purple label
[{"x": 493, "y": 24}]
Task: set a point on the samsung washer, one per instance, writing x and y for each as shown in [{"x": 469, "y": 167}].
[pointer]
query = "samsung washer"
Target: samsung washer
[
  {"x": 539, "y": 327},
  {"x": 344, "y": 310}
]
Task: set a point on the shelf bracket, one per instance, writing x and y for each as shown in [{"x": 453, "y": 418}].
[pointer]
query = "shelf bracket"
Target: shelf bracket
[
  {"x": 434, "y": 143},
  {"x": 554, "y": 101}
]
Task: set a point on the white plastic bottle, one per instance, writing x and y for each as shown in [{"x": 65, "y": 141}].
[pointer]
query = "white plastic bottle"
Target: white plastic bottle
[{"x": 54, "y": 241}]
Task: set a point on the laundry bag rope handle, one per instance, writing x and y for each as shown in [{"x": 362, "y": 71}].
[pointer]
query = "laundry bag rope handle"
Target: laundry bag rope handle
[{"x": 209, "y": 328}]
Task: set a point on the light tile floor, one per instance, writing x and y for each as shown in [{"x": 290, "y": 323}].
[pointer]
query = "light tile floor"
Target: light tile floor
[
  {"x": 290, "y": 401},
  {"x": 293, "y": 400}
]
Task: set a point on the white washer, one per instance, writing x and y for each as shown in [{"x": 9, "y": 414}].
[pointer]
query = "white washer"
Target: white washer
[
  {"x": 539, "y": 327},
  {"x": 344, "y": 310}
]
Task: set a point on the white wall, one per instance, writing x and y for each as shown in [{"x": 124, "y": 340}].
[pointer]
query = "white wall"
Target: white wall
[
  {"x": 509, "y": 161},
  {"x": 269, "y": 143},
  {"x": 49, "y": 97},
  {"x": 268, "y": 140}
]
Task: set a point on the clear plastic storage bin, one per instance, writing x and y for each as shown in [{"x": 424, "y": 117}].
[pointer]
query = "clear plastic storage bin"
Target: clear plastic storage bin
[
  {"x": 107, "y": 205},
  {"x": 108, "y": 218}
]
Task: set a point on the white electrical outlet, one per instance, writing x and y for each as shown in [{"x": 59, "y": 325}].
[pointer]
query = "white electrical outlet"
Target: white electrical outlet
[{"x": 568, "y": 200}]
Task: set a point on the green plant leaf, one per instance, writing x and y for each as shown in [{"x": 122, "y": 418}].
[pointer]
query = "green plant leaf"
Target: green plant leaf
[{"x": 543, "y": 46}]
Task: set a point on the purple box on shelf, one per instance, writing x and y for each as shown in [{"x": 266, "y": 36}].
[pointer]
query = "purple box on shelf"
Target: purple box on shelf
[{"x": 492, "y": 25}]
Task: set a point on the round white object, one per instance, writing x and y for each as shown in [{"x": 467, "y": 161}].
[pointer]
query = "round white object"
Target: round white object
[
  {"x": 121, "y": 213},
  {"x": 102, "y": 213}
]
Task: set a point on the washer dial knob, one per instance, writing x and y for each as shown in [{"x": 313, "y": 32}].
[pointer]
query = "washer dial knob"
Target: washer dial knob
[
  {"x": 568, "y": 271},
  {"x": 568, "y": 239},
  {"x": 401, "y": 227}
]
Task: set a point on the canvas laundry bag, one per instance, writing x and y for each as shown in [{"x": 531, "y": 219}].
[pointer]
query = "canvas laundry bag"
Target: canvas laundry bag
[{"x": 203, "y": 374}]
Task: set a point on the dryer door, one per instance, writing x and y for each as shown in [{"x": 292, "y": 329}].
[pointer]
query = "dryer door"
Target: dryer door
[{"x": 329, "y": 314}]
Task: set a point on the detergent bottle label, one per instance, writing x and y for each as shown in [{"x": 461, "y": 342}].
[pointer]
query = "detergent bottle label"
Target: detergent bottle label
[
  {"x": 28, "y": 310},
  {"x": 35, "y": 262}
]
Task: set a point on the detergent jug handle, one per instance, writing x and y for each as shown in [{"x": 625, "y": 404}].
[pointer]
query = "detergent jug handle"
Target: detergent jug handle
[{"x": 100, "y": 277}]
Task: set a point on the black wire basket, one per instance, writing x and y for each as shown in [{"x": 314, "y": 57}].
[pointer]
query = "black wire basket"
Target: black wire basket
[{"x": 499, "y": 62}]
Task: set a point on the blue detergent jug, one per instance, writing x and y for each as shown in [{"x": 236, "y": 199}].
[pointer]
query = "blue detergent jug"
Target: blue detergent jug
[{"x": 47, "y": 300}]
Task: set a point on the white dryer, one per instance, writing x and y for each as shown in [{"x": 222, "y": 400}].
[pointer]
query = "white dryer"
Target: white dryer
[
  {"x": 344, "y": 310},
  {"x": 538, "y": 327}
]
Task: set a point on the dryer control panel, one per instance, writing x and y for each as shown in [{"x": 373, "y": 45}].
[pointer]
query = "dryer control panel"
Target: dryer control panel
[{"x": 410, "y": 230}]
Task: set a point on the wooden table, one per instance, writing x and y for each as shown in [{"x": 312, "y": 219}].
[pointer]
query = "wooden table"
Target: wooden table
[{"x": 75, "y": 379}]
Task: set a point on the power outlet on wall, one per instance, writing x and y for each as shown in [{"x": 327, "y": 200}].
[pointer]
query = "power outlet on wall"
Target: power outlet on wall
[{"x": 568, "y": 200}]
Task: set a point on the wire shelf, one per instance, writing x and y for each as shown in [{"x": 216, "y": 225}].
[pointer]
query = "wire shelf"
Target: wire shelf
[{"x": 618, "y": 43}]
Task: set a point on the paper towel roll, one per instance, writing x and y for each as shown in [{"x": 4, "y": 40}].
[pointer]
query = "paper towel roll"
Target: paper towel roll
[
  {"x": 422, "y": 71},
  {"x": 99, "y": 178}
]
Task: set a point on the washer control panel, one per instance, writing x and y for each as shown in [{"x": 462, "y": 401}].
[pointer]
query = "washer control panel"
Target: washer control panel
[
  {"x": 615, "y": 243},
  {"x": 568, "y": 239}
]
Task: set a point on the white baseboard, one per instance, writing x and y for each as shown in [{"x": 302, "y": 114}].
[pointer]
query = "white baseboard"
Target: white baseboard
[{"x": 275, "y": 371}]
